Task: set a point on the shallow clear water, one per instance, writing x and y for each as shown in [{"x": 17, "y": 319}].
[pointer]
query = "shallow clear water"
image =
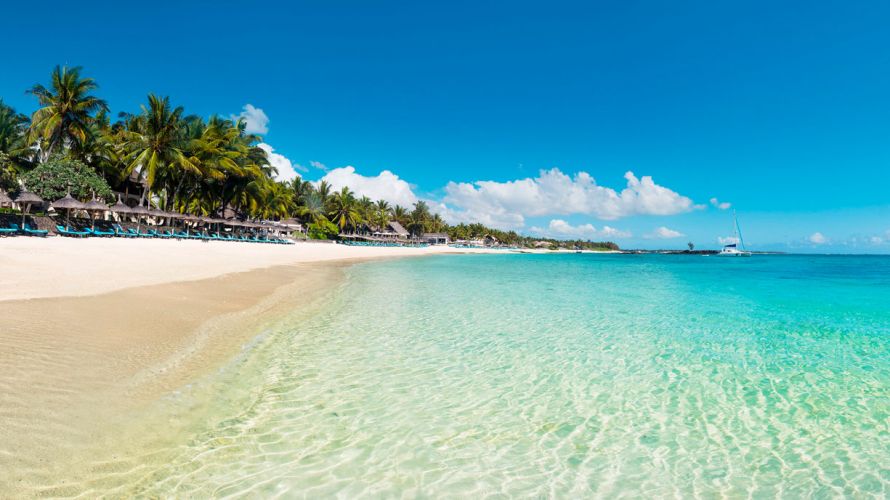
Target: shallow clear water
[{"x": 566, "y": 376}]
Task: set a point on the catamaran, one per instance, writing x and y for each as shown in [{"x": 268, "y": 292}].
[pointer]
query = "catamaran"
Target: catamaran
[{"x": 732, "y": 250}]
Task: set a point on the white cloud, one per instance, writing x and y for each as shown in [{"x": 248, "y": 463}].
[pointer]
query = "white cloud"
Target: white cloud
[
  {"x": 500, "y": 220},
  {"x": 555, "y": 193},
  {"x": 721, "y": 205},
  {"x": 384, "y": 186},
  {"x": 817, "y": 238},
  {"x": 664, "y": 233},
  {"x": 255, "y": 119},
  {"x": 876, "y": 240},
  {"x": 727, "y": 240},
  {"x": 319, "y": 165},
  {"x": 286, "y": 169},
  {"x": 559, "y": 228}
]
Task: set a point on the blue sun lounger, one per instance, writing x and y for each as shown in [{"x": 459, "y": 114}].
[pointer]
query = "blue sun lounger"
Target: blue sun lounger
[
  {"x": 99, "y": 232},
  {"x": 71, "y": 232},
  {"x": 34, "y": 232},
  {"x": 119, "y": 231}
]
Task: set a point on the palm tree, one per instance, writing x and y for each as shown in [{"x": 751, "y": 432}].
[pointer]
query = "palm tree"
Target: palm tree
[
  {"x": 302, "y": 189},
  {"x": 436, "y": 223},
  {"x": 344, "y": 209},
  {"x": 243, "y": 183},
  {"x": 275, "y": 201},
  {"x": 365, "y": 209},
  {"x": 381, "y": 219},
  {"x": 101, "y": 151},
  {"x": 400, "y": 214},
  {"x": 66, "y": 111},
  {"x": 15, "y": 155},
  {"x": 154, "y": 143},
  {"x": 419, "y": 218},
  {"x": 324, "y": 192},
  {"x": 313, "y": 210}
]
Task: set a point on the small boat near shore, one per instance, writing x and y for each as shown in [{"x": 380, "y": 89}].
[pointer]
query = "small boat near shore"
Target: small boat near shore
[{"x": 732, "y": 249}]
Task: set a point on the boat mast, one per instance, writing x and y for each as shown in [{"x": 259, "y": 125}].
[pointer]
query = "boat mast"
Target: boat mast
[{"x": 738, "y": 230}]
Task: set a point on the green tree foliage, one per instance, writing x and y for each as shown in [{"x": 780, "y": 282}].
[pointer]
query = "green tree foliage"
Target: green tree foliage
[
  {"x": 15, "y": 155},
  {"x": 185, "y": 163},
  {"x": 67, "y": 110},
  {"x": 61, "y": 175},
  {"x": 344, "y": 209},
  {"x": 323, "y": 229}
]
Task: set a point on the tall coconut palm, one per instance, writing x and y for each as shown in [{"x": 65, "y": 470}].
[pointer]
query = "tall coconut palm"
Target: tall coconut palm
[
  {"x": 66, "y": 110},
  {"x": 15, "y": 155},
  {"x": 324, "y": 191},
  {"x": 243, "y": 183},
  {"x": 436, "y": 224},
  {"x": 154, "y": 143},
  {"x": 400, "y": 215},
  {"x": 365, "y": 207},
  {"x": 344, "y": 209},
  {"x": 419, "y": 218},
  {"x": 301, "y": 189},
  {"x": 381, "y": 219},
  {"x": 101, "y": 151},
  {"x": 312, "y": 210}
]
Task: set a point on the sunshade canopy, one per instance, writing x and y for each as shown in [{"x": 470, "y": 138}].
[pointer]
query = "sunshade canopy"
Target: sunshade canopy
[{"x": 68, "y": 203}]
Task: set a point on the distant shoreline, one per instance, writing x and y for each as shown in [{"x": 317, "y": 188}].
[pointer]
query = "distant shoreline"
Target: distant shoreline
[{"x": 61, "y": 267}]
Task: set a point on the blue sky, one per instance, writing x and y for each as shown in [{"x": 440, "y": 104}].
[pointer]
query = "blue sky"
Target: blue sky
[{"x": 781, "y": 110}]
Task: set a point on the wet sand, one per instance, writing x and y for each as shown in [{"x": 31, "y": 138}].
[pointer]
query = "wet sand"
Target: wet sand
[
  {"x": 75, "y": 367},
  {"x": 95, "y": 332}
]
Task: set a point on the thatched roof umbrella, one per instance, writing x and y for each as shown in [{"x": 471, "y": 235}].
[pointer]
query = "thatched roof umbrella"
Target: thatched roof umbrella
[
  {"x": 95, "y": 206},
  {"x": 68, "y": 204},
  {"x": 4, "y": 198},
  {"x": 157, "y": 214},
  {"x": 27, "y": 198},
  {"x": 219, "y": 224},
  {"x": 139, "y": 211},
  {"x": 171, "y": 219},
  {"x": 186, "y": 217},
  {"x": 120, "y": 207}
]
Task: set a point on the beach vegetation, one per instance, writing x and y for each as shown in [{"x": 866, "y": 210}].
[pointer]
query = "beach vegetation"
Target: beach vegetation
[
  {"x": 322, "y": 229},
  {"x": 66, "y": 113},
  {"x": 61, "y": 175},
  {"x": 170, "y": 160}
]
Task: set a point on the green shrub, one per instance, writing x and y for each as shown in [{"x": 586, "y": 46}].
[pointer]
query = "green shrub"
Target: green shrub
[
  {"x": 60, "y": 175},
  {"x": 322, "y": 230}
]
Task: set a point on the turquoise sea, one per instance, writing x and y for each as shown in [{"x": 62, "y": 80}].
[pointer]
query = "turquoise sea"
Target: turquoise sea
[{"x": 566, "y": 376}]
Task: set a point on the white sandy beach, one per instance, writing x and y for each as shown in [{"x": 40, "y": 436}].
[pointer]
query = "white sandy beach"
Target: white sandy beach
[
  {"x": 61, "y": 267},
  {"x": 96, "y": 327}
]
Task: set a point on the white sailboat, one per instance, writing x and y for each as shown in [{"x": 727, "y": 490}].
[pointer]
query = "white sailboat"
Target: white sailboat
[{"x": 732, "y": 250}]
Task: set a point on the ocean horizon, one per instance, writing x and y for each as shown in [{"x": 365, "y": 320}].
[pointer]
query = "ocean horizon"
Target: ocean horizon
[{"x": 545, "y": 375}]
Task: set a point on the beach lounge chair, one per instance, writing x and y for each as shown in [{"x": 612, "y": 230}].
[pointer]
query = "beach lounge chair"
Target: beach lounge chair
[
  {"x": 165, "y": 234},
  {"x": 120, "y": 231},
  {"x": 8, "y": 230},
  {"x": 154, "y": 234},
  {"x": 101, "y": 233},
  {"x": 34, "y": 232},
  {"x": 71, "y": 232}
]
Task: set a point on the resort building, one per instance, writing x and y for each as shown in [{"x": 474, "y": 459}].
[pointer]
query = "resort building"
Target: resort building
[{"x": 436, "y": 238}]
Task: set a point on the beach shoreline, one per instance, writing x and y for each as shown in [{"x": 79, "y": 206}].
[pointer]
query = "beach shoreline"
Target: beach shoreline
[
  {"x": 33, "y": 268},
  {"x": 96, "y": 329}
]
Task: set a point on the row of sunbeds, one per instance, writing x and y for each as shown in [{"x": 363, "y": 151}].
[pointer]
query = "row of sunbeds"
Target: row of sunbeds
[
  {"x": 117, "y": 230},
  {"x": 25, "y": 229}
]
